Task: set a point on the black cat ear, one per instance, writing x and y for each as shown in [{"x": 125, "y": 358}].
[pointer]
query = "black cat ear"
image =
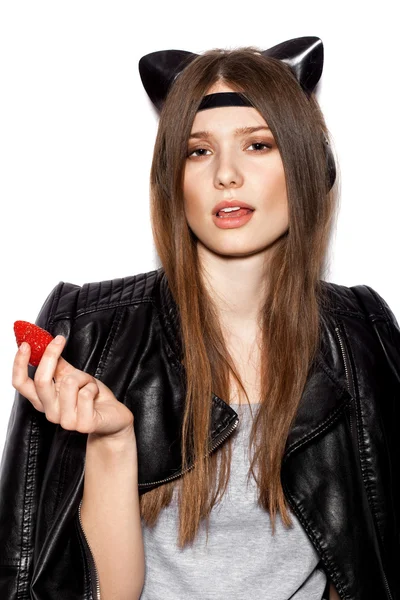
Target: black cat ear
[
  {"x": 305, "y": 56},
  {"x": 159, "y": 69},
  {"x": 330, "y": 164}
]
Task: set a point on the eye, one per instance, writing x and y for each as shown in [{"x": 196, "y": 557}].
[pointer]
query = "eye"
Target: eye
[
  {"x": 260, "y": 146},
  {"x": 196, "y": 152}
]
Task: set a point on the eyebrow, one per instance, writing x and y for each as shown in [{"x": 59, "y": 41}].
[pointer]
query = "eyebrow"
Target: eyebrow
[{"x": 238, "y": 131}]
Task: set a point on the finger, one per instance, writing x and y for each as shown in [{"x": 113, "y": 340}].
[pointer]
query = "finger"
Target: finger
[
  {"x": 63, "y": 368},
  {"x": 73, "y": 388},
  {"x": 20, "y": 379},
  {"x": 63, "y": 405},
  {"x": 86, "y": 415},
  {"x": 48, "y": 362},
  {"x": 44, "y": 378}
]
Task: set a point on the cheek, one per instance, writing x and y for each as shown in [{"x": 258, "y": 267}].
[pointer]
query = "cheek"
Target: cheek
[
  {"x": 188, "y": 189},
  {"x": 192, "y": 195},
  {"x": 278, "y": 183},
  {"x": 281, "y": 201},
  {"x": 190, "y": 205},
  {"x": 270, "y": 186},
  {"x": 277, "y": 174},
  {"x": 189, "y": 201},
  {"x": 272, "y": 195}
]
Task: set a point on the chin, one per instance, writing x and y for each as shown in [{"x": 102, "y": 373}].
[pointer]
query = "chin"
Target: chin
[
  {"x": 236, "y": 248},
  {"x": 235, "y": 252}
]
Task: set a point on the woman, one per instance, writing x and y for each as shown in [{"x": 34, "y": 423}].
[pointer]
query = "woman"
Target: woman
[{"x": 119, "y": 478}]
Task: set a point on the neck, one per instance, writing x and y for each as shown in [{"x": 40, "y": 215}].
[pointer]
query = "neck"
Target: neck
[{"x": 238, "y": 286}]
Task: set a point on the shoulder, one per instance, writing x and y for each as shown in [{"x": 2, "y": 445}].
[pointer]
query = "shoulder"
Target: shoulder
[
  {"x": 340, "y": 299},
  {"x": 359, "y": 301},
  {"x": 69, "y": 300},
  {"x": 368, "y": 315}
]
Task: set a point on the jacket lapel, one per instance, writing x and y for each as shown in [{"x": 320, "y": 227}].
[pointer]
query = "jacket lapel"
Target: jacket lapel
[{"x": 321, "y": 404}]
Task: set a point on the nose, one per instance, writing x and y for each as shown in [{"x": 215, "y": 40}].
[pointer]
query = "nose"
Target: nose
[{"x": 227, "y": 172}]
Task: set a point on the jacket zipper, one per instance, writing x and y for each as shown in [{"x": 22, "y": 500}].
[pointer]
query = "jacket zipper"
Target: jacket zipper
[
  {"x": 352, "y": 392},
  {"x": 227, "y": 434},
  {"x": 214, "y": 446},
  {"x": 90, "y": 550},
  {"x": 346, "y": 363}
]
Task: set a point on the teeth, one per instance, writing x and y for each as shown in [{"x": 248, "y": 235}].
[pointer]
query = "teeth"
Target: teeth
[{"x": 230, "y": 208}]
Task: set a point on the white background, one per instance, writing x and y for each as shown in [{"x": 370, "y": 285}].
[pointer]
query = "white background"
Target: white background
[{"x": 77, "y": 132}]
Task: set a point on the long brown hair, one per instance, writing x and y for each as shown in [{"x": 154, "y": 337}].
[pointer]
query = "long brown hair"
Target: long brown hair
[{"x": 291, "y": 310}]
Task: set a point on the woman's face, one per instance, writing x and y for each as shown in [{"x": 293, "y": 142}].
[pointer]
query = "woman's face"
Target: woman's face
[{"x": 226, "y": 164}]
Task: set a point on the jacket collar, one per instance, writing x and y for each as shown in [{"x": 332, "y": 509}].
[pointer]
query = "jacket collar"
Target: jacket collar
[{"x": 326, "y": 392}]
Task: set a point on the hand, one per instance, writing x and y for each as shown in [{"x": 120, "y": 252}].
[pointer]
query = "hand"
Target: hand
[{"x": 74, "y": 399}]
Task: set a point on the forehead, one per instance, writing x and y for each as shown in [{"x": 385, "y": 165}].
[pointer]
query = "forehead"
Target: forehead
[{"x": 227, "y": 118}]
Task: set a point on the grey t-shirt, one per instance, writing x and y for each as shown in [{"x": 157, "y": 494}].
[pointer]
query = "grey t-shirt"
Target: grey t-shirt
[{"x": 242, "y": 559}]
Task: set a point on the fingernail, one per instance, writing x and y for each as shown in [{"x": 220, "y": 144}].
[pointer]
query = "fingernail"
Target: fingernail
[
  {"x": 58, "y": 339},
  {"x": 23, "y": 347}
]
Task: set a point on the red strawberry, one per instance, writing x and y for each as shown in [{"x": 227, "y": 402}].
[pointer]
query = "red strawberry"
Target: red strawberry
[{"x": 35, "y": 336}]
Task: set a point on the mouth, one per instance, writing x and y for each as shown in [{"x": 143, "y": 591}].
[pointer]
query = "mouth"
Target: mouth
[
  {"x": 232, "y": 219},
  {"x": 233, "y": 213},
  {"x": 228, "y": 207}
]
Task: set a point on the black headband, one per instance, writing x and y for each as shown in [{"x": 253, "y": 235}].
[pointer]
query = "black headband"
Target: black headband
[{"x": 223, "y": 99}]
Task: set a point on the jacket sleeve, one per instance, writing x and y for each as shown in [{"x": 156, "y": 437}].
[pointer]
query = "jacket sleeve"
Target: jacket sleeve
[
  {"x": 24, "y": 461},
  {"x": 384, "y": 323},
  {"x": 388, "y": 332}
]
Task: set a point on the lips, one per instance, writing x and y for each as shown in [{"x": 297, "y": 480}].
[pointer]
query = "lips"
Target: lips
[
  {"x": 232, "y": 220},
  {"x": 232, "y": 203}
]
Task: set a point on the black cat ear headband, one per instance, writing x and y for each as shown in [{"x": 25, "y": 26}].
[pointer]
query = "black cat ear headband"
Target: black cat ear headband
[{"x": 305, "y": 56}]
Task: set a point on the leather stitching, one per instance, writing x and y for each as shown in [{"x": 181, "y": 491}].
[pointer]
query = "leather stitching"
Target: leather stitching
[
  {"x": 318, "y": 543},
  {"x": 109, "y": 342},
  {"x": 320, "y": 429},
  {"x": 361, "y": 450},
  {"x": 99, "y": 292},
  {"x": 123, "y": 290},
  {"x": 31, "y": 463},
  {"x": 25, "y": 562},
  {"x": 63, "y": 469}
]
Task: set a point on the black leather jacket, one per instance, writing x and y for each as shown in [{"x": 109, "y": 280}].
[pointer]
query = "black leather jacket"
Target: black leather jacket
[{"x": 340, "y": 471}]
